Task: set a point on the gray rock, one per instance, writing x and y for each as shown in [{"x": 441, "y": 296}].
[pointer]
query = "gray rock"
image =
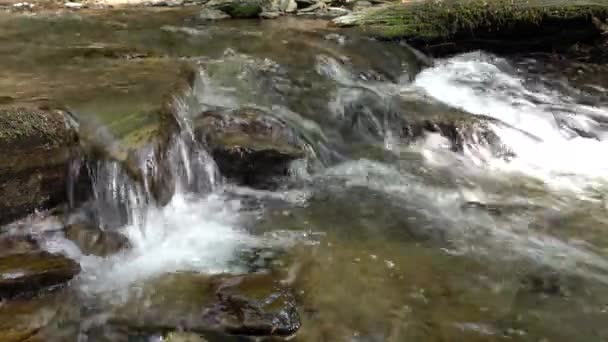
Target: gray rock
[
  {"x": 270, "y": 15},
  {"x": 212, "y": 14}
]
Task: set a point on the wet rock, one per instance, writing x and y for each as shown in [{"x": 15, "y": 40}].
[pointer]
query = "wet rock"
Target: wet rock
[
  {"x": 240, "y": 314},
  {"x": 94, "y": 241},
  {"x": 242, "y": 9},
  {"x": 36, "y": 147},
  {"x": 23, "y": 319},
  {"x": 27, "y": 273},
  {"x": 249, "y": 305},
  {"x": 17, "y": 245},
  {"x": 462, "y": 130},
  {"x": 249, "y": 146},
  {"x": 212, "y": 14},
  {"x": 445, "y": 27}
]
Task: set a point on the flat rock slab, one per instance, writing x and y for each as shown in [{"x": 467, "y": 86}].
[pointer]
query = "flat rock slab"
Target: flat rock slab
[{"x": 26, "y": 273}]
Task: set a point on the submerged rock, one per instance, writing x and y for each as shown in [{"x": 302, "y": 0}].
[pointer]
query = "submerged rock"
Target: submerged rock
[
  {"x": 248, "y": 145},
  {"x": 94, "y": 241},
  {"x": 249, "y": 305},
  {"x": 27, "y": 273},
  {"x": 36, "y": 148}
]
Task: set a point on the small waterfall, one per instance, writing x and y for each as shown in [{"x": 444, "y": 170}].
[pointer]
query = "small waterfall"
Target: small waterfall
[{"x": 166, "y": 199}]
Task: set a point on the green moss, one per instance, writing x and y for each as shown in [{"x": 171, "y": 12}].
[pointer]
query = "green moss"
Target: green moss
[{"x": 434, "y": 20}]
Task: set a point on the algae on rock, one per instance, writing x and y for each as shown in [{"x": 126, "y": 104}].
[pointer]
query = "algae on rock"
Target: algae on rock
[
  {"x": 36, "y": 147},
  {"x": 491, "y": 22}
]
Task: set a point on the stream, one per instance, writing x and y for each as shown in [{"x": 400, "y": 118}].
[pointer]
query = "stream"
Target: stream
[{"x": 495, "y": 231}]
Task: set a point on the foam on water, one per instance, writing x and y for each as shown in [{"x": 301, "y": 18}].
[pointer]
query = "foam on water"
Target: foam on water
[
  {"x": 188, "y": 234},
  {"x": 475, "y": 233},
  {"x": 550, "y": 148}
]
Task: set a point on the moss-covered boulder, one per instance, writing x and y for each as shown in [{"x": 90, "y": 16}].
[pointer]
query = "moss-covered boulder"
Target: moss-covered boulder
[
  {"x": 36, "y": 147},
  {"x": 249, "y": 146},
  {"x": 27, "y": 273},
  {"x": 444, "y": 26}
]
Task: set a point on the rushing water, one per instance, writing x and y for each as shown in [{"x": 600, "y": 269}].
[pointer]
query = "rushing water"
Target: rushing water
[{"x": 383, "y": 237}]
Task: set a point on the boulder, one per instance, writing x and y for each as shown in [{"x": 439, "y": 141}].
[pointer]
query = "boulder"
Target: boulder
[
  {"x": 249, "y": 146},
  {"x": 37, "y": 146},
  {"x": 240, "y": 9},
  {"x": 28, "y": 273},
  {"x": 448, "y": 26}
]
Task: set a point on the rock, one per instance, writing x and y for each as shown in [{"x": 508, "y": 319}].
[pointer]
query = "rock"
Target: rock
[
  {"x": 73, "y": 5},
  {"x": 27, "y": 273},
  {"x": 270, "y": 15},
  {"x": 212, "y": 14},
  {"x": 241, "y": 9},
  {"x": 462, "y": 130},
  {"x": 17, "y": 245},
  {"x": 22, "y": 319},
  {"x": 445, "y": 27},
  {"x": 255, "y": 80},
  {"x": 183, "y": 337},
  {"x": 248, "y": 145},
  {"x": 36, "y": 147},
  {"x": 94, "y": 241},
  {"x": 288, "y": 6},
  {"x": 239, "y": 314},
  {"x": 361, "y": 5},
  {"x": 253, "y": 305}
]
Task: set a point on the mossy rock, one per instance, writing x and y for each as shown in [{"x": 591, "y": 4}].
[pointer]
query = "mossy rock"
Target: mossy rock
[
  {"x": 28, "y": 273},
  {"x": 36, "y": 147},
  {"x": 527, "y": 24},
  {"x": 239, "y": 9},
  {"x": 249, "y": 146}
]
